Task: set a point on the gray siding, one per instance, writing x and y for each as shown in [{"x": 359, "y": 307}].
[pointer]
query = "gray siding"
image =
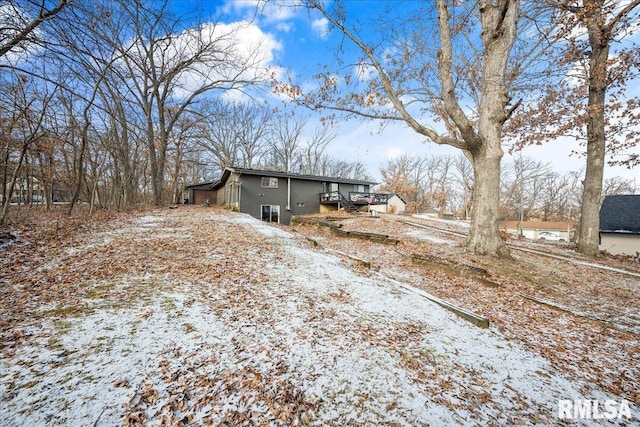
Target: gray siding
[
  {"x": 305, "y": 197},
  {"x": 242, "y": 190}
]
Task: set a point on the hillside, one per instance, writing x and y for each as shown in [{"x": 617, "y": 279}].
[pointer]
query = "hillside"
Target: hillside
[{"x": 199, "y": 316}]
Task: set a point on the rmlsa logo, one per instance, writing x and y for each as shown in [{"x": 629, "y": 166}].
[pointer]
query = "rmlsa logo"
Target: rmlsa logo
[{"x": 593, "y": 409}]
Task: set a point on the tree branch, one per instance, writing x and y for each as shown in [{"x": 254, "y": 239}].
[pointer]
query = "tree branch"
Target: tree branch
[
  {"x": 386, "y": 84},
  {"x": 22, "y": 35}
]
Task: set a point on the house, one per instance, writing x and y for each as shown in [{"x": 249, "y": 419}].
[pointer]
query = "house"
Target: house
[
  {"x": 394, "y": 205},
  {"x": 539, "y": 230},
  {"x": 277, "y": 196},
  {"x": 620, "y": 224}
]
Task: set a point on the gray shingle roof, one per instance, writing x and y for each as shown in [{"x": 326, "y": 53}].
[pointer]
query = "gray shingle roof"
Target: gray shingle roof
[
  {"x": 620, "y": 214},
  {"x": 259, "y": 172}
]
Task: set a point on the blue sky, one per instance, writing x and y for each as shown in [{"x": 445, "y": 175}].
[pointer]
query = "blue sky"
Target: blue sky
[{"x": 299, "y": 43}]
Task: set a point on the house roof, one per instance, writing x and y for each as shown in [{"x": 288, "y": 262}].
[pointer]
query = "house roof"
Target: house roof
[
  {"x": 536, "y": 225},
  {"x": 201, "y": 185},
  {"x": 244, "y": 171},
  {"x": 620, "y": 214}
]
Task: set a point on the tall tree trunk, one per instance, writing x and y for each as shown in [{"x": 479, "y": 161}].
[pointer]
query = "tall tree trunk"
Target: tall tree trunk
[
  {"x": 498, "y": 34},
  {"x": 159, "y": 179},
  {"x": 484, "y": 234},
  {"x": 84, "y": 137},
  {"x": 156, "y": 174},
  {"x": 176, "y": 186},
  {"x": 588, "y": 234},
  {"x": 479, "y": 137},
  {"x": 79, "y": 178}
]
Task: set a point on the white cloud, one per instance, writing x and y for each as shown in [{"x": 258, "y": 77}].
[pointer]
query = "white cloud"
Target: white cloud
[
  {"x": 270, "y": 11},
  {"x": 276, "y": 12},
  {"x": 235, "y": 96},
  {"x": 285, "y": 27},
  {"x": 12, "y": 21},
  {"x": 368, "y": 143},
  {"x": 364, "y": 71},
  {"x": 393, "y": 152},
  {"x": 321, "y": 27},
  {"x": 243, "y": 51}
]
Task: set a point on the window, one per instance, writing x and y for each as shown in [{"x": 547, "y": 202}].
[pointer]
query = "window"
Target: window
[
  {"x": 329, "y": 187},
  {"x": 269, "y": 182},
  {"x": 358, "y": 188},
  {"x": 270, "y": 213}
]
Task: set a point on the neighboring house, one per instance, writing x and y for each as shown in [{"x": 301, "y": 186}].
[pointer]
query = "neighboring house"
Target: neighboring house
[
  {"x": 620, "y": 224},
  {"x": 277, "y": 196},
  {"x": 538, "y": 230},
  {"x": 29, "y": 190},
  {"x": 394, "y": 205}
]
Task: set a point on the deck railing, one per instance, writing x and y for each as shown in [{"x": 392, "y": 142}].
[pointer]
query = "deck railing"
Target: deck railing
[
  {"x": 368, "y": 198},
  {"x": 355, "y": 197},
  {"x": 330, "y": 197}
]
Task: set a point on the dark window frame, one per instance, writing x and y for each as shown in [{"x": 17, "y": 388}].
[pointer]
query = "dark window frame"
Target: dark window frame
[
  {"x": 273, "y": 212},
  {"x": 269, "y": 181}
]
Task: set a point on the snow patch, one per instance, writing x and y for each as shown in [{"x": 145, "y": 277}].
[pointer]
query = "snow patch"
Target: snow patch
[
  {"x": 423, "y": 235},
  {"x": 359, "y": 350}
]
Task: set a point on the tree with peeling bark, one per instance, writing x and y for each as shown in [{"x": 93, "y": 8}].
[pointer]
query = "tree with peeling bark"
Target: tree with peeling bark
[
  {"x": 402, "y": 73},
  {"x": 587, "y": 96}
]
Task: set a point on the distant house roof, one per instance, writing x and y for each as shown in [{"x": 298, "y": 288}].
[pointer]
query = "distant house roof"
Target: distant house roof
[
  {"x": 243, "y": 171},
  {"x": 620, "y": 214},
  {"x": 536, "y": 225}
]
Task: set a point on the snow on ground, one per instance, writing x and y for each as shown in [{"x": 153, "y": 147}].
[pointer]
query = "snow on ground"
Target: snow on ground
[
  {"x": 455, "y": 222},
  {"x": 307, "y": 341},
  {"x": 428, "y": 236}
]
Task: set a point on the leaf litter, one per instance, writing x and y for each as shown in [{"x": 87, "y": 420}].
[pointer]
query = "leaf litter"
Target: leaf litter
[{"x": 199, "y": 316}]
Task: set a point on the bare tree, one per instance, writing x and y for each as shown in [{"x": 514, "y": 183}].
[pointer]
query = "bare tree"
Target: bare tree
[
  {"x": 338, "y": 168},
  {"x": 424, "y": 182},
  {"x": 253, "y": 125},
  {"x": 123, "y": 139},
  {"x": 180, "y": 146},
  {"x": 233, "y": 134},
  {"x": 587, "y": 97},
  {"x": 554, "y": 200},
  {"x": 167, "y": 69},
  {"x": 463, "y": 179},
  {"x": 617, "y": 185},
  {"x": 285, "y": 140},
  {"x": 312, "y": 153},
  {"x": 397, "y": 178},
  {"x": 602, "y": 32},
  {"x": 19, "y": 20},
  {"x": 413, "y": 77},
  {"x": 22, "y": 121},
  {"x": 523, "y": 182},
  {"x": 220, "y": 132}
]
